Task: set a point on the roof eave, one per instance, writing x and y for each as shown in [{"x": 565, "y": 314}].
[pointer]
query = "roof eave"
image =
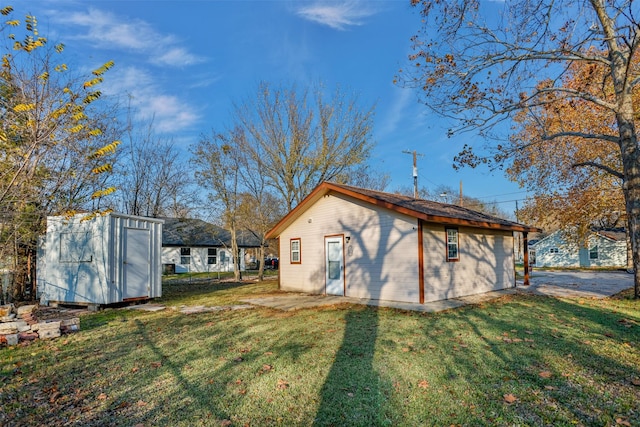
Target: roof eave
[{"x": 326, "y": 187}]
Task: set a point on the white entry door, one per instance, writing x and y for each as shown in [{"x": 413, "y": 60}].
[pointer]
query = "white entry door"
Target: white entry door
[
  {"x": 137, "y": 263},
  {"x": 334, "y": 265}
]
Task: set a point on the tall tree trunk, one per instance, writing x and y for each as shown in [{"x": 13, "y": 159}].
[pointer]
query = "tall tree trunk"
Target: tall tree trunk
[
  {"x": 235, "y": 251},
  {"x": 631, "y": 187},
  {"x": 261, "y": 262}
]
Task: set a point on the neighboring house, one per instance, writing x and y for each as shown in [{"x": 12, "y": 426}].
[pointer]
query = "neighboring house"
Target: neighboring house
[
  {"x": 104, "y": 260},
  {"x": 343, "y": 240},
  {"x": 193, "y": 245},
  {"x": 605, "y": 248}
]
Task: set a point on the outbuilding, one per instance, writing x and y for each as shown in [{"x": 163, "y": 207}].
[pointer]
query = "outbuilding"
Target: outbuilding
[
  {"x": 100, "y": 260},
  {"x": 344, "y": 240}
]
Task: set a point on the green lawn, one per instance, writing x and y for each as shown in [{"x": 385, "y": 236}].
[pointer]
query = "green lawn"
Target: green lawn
[{"x": 520, "y": 360}]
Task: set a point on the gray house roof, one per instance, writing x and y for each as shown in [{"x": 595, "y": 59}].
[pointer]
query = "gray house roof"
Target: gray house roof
[
  {"x": 425, "y": 210},
  {"x": 196, "y": 232}
]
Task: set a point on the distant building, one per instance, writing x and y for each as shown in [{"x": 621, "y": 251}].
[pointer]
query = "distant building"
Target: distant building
[
  {"x": 605, "y": 248},
  {"x": 193, "y": 245}
]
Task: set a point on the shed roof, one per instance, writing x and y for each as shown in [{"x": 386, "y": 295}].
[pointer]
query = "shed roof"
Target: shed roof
[
  {"x": 196, "y": 232},
  {"x": 425, "y": 210}
]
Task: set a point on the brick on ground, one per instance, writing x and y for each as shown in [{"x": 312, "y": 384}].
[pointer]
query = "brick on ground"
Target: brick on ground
[
  {"x": 70, "y": 325},
  {"x": 49, "y": 333},
  {"x": 46, "y": 326},
  {"x": 12, "y": 339},
  {"x": 27, "y": 336},
  {"x": 26, "y": 309}
]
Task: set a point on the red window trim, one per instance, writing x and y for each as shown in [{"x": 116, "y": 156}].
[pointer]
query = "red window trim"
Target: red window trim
[
  {"x": 446, "y": 244},
  {"x": 299, "y": 240}
]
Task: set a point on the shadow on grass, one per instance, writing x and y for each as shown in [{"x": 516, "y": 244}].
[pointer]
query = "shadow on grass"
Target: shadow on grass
[
  {"x": 353, "y": 393},
  {"x": 559, "y": 361}
]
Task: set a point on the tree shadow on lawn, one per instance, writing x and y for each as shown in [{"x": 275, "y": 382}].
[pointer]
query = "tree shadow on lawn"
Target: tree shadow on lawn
[
  {"x": 557, "y": 362},
  {"x": 353, "y": 393}
]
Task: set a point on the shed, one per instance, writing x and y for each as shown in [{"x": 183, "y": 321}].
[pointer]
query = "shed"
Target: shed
[
  {"x": 343, "y": 240},
  {"x": 107, "y": 259},
  {"x": 194, "y": 245},
  {"x": 603, "y": 248}
]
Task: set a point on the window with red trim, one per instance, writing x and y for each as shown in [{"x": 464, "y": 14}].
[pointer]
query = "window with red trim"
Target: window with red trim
[
  {"x": 295, "y": 251},
  {"x": 453, "y": 244}
]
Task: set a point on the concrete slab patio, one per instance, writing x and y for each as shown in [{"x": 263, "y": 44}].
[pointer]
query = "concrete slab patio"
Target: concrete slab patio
[
  {"x": 559, "y": 284},
  {"x": 291, "y": 302},
  {"x": 578, "y": 284}
]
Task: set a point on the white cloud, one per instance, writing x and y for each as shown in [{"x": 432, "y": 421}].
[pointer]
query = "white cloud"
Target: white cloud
[
  {"x": 337, "y": 15},
  {"x": 168, "y": 112},
  {"x": 105, "y": 30}
]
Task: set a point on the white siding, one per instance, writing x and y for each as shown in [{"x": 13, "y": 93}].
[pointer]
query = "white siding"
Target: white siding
[
  {"x": 381, "y": 257},
  {"x": 611, "y": 253},
  {"x": 567, "y": 256},
  {"x": 83, "y": 260},
  {"x": 199, "y": 258},
  {"x": 486, "y": 262}
]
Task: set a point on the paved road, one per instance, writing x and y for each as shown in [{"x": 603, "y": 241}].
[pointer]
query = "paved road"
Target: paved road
[{"x": 598, "y": 284}]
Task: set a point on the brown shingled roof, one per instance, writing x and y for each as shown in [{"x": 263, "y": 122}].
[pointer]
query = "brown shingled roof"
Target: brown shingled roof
[{"x": 426, "y": 210}]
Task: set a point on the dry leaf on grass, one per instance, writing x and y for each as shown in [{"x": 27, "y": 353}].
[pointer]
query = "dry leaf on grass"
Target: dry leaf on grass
[
  {"x": 423, "y": 384},
  {"x": 102, "y": 396},
  {"x": 545, "y": 374},
  {"x": 635, "y": 381},
  {"x": 156, "y": 364},
  {"x": 509, "y": 398},
  {"x": 282, "y": 384},
  {"x": 622, "y": 422},
  {"x": 550, "y": 387}
]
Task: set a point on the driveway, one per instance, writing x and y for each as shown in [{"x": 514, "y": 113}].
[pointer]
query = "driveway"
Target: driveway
[{"x": 578, "y": 284}]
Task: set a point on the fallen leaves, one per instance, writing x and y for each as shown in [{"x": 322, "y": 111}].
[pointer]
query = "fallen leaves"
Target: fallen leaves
[
  {"x": 509, "y": 398},
  {"x": 423, "y": 384},
  {"x": 545, "y": 374},
  {"x": 282, "y": 384}
]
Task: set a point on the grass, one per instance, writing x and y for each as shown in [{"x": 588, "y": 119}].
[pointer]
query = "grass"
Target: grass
[{"x": 519, "y": 360}]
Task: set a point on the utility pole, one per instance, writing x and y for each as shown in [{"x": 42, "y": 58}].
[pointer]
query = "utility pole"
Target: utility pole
[{"x": 415, "y": 170}]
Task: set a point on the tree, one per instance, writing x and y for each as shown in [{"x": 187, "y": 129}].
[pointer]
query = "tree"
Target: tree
[
  {"x": 565, "y": 192},
  {"x": 217, "y": 161},
  {"x": 481, "y": 69},
  {"x": 54, "y": 146},
  {"x": 158, "y": 182},
  {"x": 298, "y": 139}
]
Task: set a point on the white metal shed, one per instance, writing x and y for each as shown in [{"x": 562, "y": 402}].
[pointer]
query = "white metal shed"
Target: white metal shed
[{"x": 104, "y": 260}]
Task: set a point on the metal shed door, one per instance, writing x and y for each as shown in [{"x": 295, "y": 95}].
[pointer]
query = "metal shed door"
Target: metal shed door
[
  {"x": 136, "y": 263},
  {"x": 334, "y": 266}
]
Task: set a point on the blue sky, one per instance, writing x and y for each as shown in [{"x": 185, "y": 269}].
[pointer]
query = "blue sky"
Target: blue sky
[{"x": 185, "y": 62}]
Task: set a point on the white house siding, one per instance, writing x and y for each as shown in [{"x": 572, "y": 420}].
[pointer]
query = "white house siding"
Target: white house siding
[
  {"x": 381, "y": 257},
  {"x": 611, "y": 253},
  {"x": 566, "y": 256},
  {"x": 486, "y": 262},
  {"x": 199, "y": 257}
]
